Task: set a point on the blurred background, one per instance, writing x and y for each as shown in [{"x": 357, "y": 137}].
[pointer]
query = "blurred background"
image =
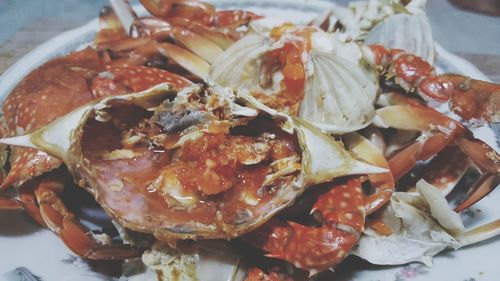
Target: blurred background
[{"x": 25, "y": 24}]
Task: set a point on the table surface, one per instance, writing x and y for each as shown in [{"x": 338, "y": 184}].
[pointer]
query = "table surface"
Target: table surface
[{"x": 26, "y": 24}]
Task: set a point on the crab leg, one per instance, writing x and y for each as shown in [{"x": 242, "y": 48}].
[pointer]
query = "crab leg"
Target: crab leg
[
  {"x": 149, "y": 33},
  {"x": 63, "y": 223},
  {"x": 438, "y": 132},
  {"x": 191, "y": 9},
  {"x": 220, "y": 38},
  {"x": 469, "y": 98},
  {"x": 26, "y": 202},
  {"x": 317, "y": 248},
  {"x": 146, "y": 31},
  {"x": 383, "y": 183},
  {"x": 7, "y": 203},
  {"x": 235, "y": 18},
  {"x": 186, "y": 59}
]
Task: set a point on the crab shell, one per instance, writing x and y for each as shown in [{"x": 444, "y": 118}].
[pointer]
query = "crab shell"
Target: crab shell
[
  {"x": 136, "y": 208},
  {"x": 340, "y": 87}
]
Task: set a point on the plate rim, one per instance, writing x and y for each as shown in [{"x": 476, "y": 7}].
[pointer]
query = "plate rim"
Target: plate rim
[{"x": 78, "y": 36}]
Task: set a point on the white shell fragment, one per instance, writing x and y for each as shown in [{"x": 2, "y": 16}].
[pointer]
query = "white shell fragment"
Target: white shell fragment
[
  {"x": 417, "y": 235},
  {"x": 423, "y": 225},
  {"x": 339, "y": 96},
  {"x": 239, "y": 66},
  {"x": 409, "y": 31}
]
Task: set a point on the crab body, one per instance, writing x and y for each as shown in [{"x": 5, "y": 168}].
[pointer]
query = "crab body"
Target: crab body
[{"x": 163, "y": 172}]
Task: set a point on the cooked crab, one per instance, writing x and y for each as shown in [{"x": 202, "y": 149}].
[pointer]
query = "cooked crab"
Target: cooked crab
[{"x": 200, "y": 166}]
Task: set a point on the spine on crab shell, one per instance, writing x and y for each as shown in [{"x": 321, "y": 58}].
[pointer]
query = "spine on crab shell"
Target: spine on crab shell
[{"x": 55, "y": 138}]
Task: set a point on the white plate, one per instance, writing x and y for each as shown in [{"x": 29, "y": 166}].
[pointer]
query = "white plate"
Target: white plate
[{"x": 24, "y": 244}]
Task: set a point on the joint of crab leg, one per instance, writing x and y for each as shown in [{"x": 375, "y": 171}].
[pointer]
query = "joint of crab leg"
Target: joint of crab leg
[
  {"x": 110, "y": 27},
  {"x": 447, "y": 168},
  {"x": 384, "y": 182},
  {"x": 223, "y": 40},
  {"x": 144, "y": 49},
  {"x": 474, "y": 99},
  {"x": 409, "y": 70},
  {"x": 80, "y": 241},
  {"x": 483, "y": 156},
  {"x": 125, "y": 44},
  {"x": 469, "y": 98},
  {"x": 436, "y": 88},
  {"x": 150, "y": 27},
  {"x": 405, "y": 160}
]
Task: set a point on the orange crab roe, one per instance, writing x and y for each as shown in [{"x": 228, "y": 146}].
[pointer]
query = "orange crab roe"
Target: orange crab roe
[
  {"x": 215, "y": 162},
  {"x": 290, "y": 57}
]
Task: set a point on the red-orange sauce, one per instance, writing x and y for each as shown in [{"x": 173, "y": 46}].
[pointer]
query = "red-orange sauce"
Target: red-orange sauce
[
  {"x": 213, "y": 169},
  {"x": 294, "y": 75}
]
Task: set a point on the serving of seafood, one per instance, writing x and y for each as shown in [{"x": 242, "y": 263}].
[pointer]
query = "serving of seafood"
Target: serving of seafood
[{"x": 263, "y": 148}]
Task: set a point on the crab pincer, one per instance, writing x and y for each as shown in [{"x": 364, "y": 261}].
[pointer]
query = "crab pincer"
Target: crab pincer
[
  {"x": 341, "y": 216},
  {"x": 438, "y": 132}
]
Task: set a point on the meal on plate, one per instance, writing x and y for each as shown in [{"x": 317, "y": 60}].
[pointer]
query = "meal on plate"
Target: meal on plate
[{"x": 264, "y": 148}]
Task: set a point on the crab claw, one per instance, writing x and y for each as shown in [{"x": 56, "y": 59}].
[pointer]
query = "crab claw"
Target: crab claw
[
  {"x": 317, "y": 248},
  {"x": 469, "y": 98}
]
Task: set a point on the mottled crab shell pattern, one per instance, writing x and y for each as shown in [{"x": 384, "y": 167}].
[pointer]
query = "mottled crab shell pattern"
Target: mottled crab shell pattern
[
  {"x": 136, "y": 208},
  {"x": 50, "y": 91}
]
